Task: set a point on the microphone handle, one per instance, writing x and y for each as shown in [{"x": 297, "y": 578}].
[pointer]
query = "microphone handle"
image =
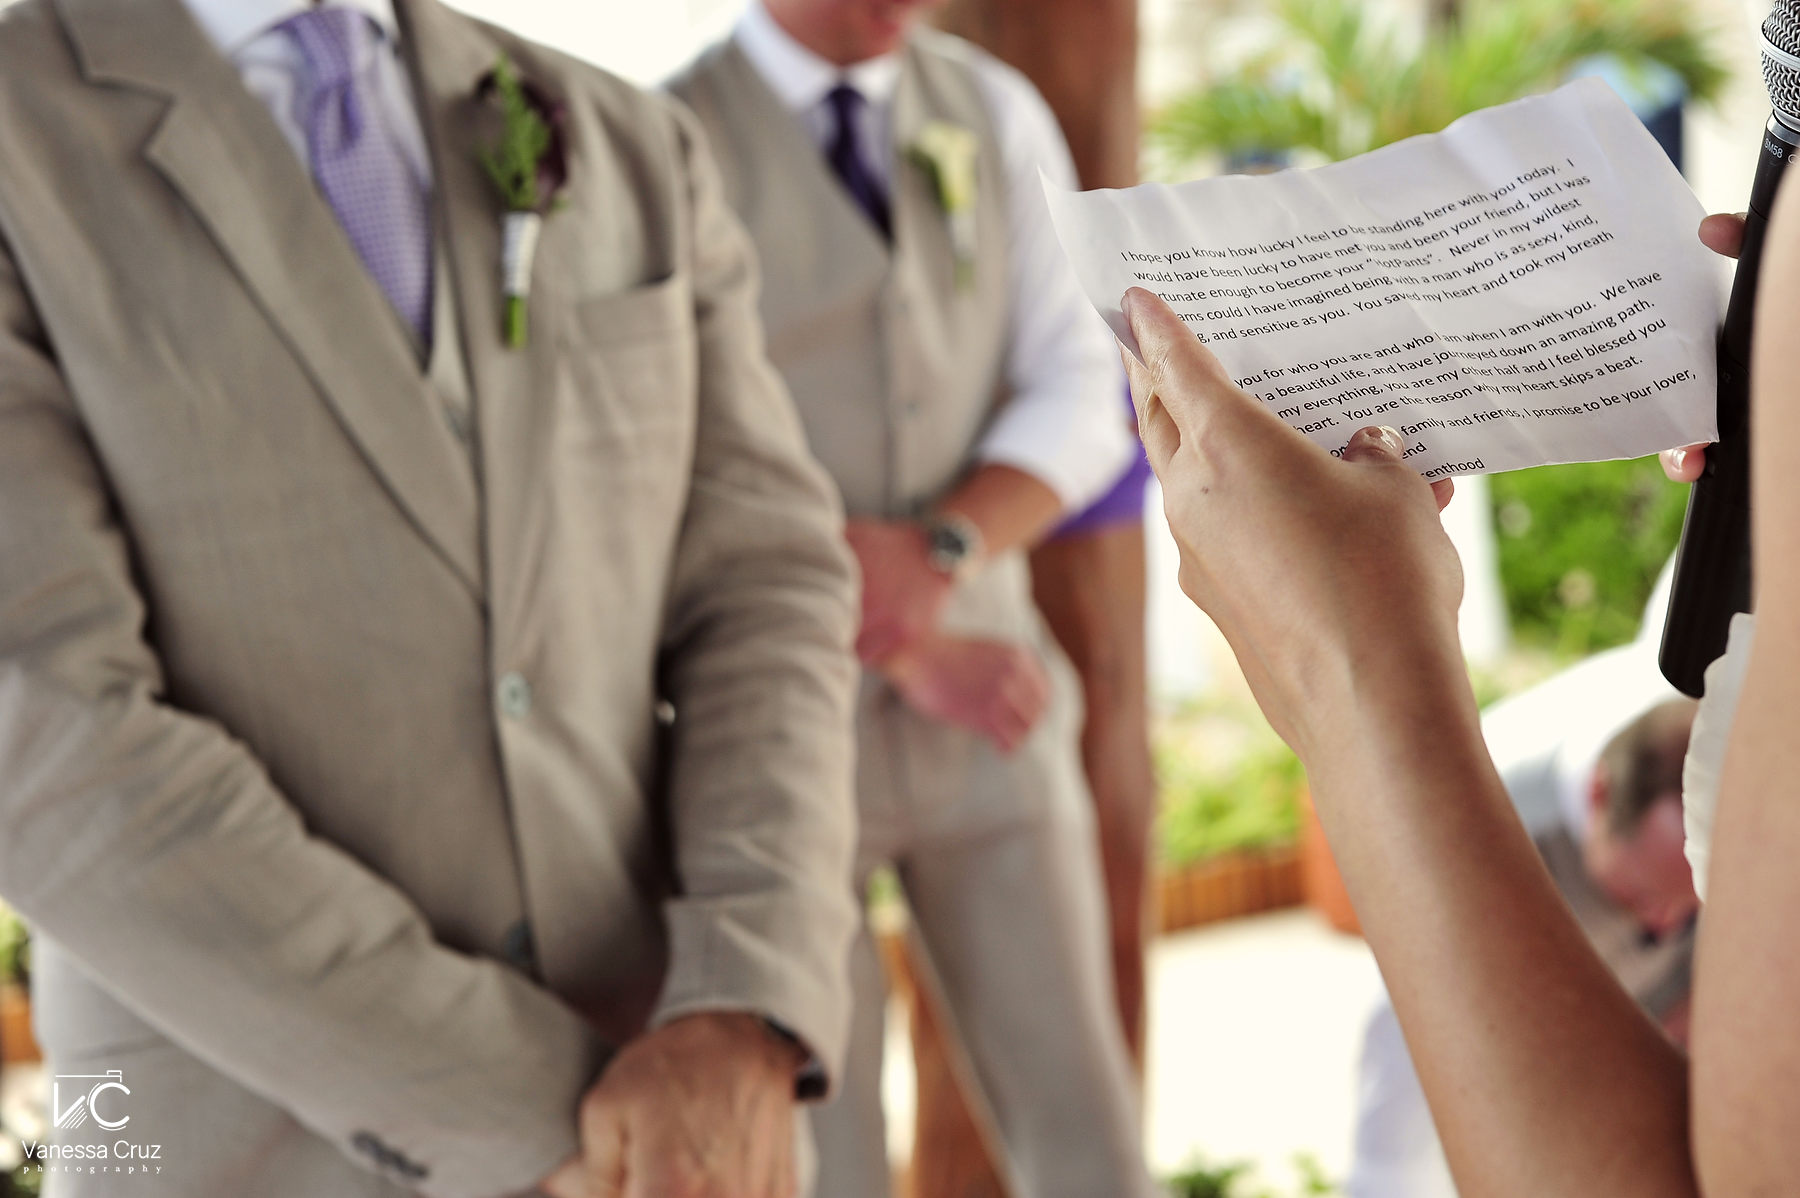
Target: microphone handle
[{"x": 1712, "y": 565}]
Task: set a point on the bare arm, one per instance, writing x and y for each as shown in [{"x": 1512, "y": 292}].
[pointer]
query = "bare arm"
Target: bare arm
[
  {"x": 1012, "y": 509},
  {"x": 1544, "y": 1077},
  {"x": 1747, "y": 986}
]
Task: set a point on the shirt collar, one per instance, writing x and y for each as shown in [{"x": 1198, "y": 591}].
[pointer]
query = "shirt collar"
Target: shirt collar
[
  {"x": 800, "y": 78},
  {"x": 233, "y": 24}
]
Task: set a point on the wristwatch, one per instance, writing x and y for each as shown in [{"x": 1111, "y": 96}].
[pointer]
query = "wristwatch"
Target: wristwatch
[{"x": 953, "y": 544}]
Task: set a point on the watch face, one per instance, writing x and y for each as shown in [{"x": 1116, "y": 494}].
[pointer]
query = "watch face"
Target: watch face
[{"x": 949, "y": 546}]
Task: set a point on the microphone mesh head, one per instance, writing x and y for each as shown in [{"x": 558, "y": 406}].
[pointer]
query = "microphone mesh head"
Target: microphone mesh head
[{"x": 1781, "y": 60}]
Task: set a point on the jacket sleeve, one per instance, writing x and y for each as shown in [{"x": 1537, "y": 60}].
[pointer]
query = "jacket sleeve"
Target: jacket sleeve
[
  {"x": 154, "y": 847},
  {"x": 757, "y": 662}
]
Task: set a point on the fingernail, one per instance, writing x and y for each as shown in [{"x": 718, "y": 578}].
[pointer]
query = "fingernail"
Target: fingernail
[
  {"x": 1677, "y": 459},
  {"x": 1392, "y": 439},
  {"x": 1128, "y": 305}
]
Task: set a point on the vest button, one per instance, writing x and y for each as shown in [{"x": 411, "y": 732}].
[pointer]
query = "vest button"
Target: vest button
[{"x": 514, "y": 696}]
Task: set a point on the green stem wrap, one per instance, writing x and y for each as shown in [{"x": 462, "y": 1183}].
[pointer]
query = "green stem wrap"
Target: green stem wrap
[{"x": 517, "y": 330}]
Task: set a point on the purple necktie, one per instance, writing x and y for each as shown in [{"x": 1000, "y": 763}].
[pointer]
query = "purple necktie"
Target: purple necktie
[
  {"x": 378, "y": 197},
  {"x": 847, "y": 158}
]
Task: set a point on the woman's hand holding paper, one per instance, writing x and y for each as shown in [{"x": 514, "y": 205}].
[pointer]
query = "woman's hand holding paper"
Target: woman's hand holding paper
[
  {"x": 1324, "y": 574},
  {"x": 1337, "y": 588}
]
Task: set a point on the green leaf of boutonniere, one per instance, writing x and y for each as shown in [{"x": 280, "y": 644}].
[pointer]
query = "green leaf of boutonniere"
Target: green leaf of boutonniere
[{"x": 512, "y": 162}]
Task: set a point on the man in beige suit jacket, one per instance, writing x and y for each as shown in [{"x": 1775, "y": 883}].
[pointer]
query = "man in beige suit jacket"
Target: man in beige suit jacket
[{"x": 392, "y": 729}]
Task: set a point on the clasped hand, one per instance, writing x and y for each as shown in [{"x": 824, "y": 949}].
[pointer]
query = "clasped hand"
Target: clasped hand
[
  {"x": 995, "y": 689},
  {"x": 702, "y": 1107},
  {"x": 903, "y": 594}
]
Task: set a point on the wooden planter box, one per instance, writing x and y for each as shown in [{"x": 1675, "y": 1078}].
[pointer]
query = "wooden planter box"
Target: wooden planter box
[
  {"x": 1325, "y": 890},
  {"x": 1228, "y": 887},
  {"x": 17, "y": 1046}
]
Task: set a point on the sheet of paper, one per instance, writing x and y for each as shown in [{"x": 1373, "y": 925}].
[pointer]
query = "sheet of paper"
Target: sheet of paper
[{"x": 1525, "y": 287}]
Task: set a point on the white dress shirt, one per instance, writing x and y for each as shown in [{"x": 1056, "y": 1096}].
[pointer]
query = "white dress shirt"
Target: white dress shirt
[
  {"x": 274, "y": 70},
  {"x": 1064, "y": 424}
]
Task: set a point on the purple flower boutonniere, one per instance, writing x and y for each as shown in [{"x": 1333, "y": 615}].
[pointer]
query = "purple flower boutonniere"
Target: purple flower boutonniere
[{"x": 529, "y": 165}]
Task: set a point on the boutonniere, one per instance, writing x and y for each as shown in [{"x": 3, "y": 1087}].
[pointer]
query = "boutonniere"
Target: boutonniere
[
  {"x": 530, "y": 167},
  {"x": 948, "y": 154}
]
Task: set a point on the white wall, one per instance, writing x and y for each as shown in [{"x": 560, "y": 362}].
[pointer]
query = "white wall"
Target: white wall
[{"x": 643, "y": 42}]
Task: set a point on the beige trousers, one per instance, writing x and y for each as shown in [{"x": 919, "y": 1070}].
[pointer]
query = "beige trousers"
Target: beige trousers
[{"x": 1000, "y": 865}]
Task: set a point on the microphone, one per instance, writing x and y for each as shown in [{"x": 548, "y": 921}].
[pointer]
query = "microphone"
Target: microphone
[{"x": 1712, "y": 566}]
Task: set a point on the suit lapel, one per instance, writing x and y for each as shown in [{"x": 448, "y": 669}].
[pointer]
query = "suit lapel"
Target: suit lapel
[
  {"x": 449, "y": 55},
  {"x": 513, "y": 386},
  {"x": 221, "y": 151}
]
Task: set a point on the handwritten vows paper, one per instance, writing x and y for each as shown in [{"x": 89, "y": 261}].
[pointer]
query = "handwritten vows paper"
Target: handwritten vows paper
[{"x": 1525, "y": 287}]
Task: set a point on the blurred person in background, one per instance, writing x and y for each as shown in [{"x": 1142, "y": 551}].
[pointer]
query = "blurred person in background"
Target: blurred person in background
[
  {"x": 1602, "y": 803},
  {"x": 1090, "y": 576},
  {"x": 963, "y": 396},
  {"x": 426, "y": 740}
]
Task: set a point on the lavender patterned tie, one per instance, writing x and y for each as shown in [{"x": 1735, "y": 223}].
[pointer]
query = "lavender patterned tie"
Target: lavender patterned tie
[{"x": 379, "y": 199}]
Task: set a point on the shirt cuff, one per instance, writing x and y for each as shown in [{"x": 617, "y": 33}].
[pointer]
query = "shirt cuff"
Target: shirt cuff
[{"x": 1079, "y": 465}]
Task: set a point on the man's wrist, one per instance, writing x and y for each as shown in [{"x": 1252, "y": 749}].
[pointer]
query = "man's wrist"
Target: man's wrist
[
  {"x": 807, "y": 1068},
  {"x": 792, "y": 1044}
]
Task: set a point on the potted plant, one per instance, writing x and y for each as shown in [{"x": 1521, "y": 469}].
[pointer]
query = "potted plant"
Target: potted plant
[
  {"x": 1230, "y": 820},
  {"x": 16, "y": 1041},
  {"x": 1337, "y": 79}
]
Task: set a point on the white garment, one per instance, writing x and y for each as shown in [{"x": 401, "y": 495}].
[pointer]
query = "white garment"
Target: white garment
[
  {"x": 1706, "y": 748},
  {"x": 1398, "y": 1153},
  {"x": 274, "y": 70},
  {"x": 1064, "y": 424}
]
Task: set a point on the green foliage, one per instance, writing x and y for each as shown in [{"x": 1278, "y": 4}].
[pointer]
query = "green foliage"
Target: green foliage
[
  {"x": 22, "y": 1184},
  {"x": 1204, "y": 1181},
  {"x": 1339, "y": 80},
  {"x": 15, "y": 948},
  {"x": 1580, "y": 548},
  {"x": 524, "y": 140},
  {"x": 1220, "y": 799},
  {"x": 1201, "y": 1180},
  {"x": 1313, "y": 1182}
]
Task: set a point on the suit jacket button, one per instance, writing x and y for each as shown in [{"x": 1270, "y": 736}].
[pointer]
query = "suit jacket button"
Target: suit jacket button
[
  {"x": 514, "y": 696},
  {"x": 387, "y": 1159},
  {"x": 519, "y": 949}
]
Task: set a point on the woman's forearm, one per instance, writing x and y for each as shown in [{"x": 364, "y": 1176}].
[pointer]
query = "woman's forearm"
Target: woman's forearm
[
  {"x": 1544, "y": 1077},
  {"x": 1337, "y": 587}
]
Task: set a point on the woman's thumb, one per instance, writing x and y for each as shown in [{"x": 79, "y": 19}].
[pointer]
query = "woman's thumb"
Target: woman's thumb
[{"x": 1376, "y": 444}]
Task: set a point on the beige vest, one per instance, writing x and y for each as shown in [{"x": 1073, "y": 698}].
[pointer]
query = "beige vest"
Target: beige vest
[{"x": 896, "y": 365}]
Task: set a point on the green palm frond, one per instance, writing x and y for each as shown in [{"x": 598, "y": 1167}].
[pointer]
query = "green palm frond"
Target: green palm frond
[{"x": 1342, "y": 82}]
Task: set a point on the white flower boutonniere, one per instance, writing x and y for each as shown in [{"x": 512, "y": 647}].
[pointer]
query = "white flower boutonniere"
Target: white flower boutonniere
[{"x": 948, "y": 154}]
